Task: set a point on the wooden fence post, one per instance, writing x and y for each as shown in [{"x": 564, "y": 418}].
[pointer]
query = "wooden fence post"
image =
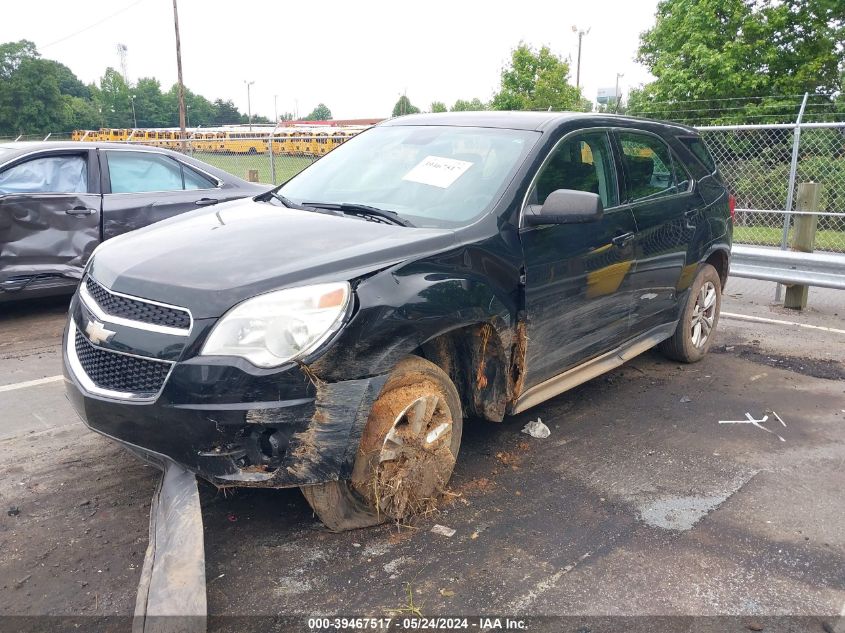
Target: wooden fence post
[
  {"x": 803, "y": 239},
  {"x": 252, "y": 175}
]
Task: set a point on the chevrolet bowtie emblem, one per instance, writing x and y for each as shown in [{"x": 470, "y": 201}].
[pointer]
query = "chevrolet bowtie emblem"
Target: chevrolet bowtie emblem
[{"x": 97, "y": 333}]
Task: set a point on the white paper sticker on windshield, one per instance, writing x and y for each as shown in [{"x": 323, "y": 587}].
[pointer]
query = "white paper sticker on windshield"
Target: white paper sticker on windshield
[{"x": 438, "y": 171}]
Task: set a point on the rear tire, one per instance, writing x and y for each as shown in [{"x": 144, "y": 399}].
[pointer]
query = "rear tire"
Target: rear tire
[
  {"x": 697, "y": 325},
  {"x": 406, "y": 456}
]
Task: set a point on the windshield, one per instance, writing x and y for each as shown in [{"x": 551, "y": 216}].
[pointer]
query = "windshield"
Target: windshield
[{"x": 433, "y": 176}]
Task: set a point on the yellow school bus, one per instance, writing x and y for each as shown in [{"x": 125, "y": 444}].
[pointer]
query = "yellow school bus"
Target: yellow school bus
[{"x": 291, "y": 141}]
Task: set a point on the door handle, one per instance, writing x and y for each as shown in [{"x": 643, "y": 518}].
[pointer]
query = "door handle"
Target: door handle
[
  {"x": 204, "y": 202},
  {"x": 623, "y": 239},
  {"x": 80, "y": 211},
  {"x": 690, "y": 215}
]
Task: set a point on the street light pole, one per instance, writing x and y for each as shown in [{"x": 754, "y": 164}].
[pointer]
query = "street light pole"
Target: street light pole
[
  {"x": 276, "y": 107},
  {"x": 248, "y": 103},
  {"x": 134, "y": 118},
  {"x": 581, "y": 33},
  {"x": 616, "y": 94}
]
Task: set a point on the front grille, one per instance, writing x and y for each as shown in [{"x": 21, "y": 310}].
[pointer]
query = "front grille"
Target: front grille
[
  {"x": 137, "y": 310},
  {"x": 118, "y": 372}
]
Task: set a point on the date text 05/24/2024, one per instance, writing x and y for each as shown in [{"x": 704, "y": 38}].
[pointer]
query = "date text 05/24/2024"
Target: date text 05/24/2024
[{"x": 418, "y": 624}]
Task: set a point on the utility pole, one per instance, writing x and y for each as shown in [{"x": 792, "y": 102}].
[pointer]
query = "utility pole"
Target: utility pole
[
  {"x": 248, "y": 103},
  {"x": 276, "y": 107},
  {"x": 179, "y": 73},
  {"x": 134, "y": 118},
  {"x": 581, "y": 33}
]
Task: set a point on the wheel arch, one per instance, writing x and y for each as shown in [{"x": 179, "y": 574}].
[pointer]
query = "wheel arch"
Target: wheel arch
[
  {"x": 477, "y": 359},
  {"x": 720, "y": 260}
]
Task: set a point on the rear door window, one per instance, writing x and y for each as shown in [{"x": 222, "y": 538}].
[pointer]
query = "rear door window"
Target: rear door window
[
  {"x": 134, "y": 172},
  {"x": 699, "y": 149},
  {"x": 47, "y": 174},
  {"x": 195, "y": 180},
  {"x": 138, "y": 172},
  {"x": 649, "y": 170}
]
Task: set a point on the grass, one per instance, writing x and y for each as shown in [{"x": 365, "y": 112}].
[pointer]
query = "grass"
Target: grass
[
  {"x": 826, "y": 240},
  {"x": 240, "y": 164}
]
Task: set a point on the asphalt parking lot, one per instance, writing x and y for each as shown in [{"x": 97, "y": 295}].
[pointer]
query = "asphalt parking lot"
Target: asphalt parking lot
[{"x": 639, "y": 503}]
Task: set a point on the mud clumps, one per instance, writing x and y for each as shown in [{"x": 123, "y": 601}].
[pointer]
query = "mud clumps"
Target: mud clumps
[
  {"x": 408, "y": 472},
  {"x": 520, "y": 346},
  {"x": 411, "y": 486}
]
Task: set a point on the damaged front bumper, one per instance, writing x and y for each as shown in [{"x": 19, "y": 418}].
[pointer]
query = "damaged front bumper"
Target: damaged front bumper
[{"x": 225, "y": 420}]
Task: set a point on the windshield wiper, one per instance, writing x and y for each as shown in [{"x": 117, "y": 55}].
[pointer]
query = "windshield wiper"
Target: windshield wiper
[
  {"x": 350, "y": 208},
  {"x": 290, "y": 204}
]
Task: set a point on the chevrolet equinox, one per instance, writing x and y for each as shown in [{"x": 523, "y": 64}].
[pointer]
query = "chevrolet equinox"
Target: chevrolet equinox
[{"x": 332, "y": 334}]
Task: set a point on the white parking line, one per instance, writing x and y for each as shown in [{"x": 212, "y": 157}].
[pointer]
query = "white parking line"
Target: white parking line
[
  {"x": 745, "y": 317},
  {"x": 30, "y": 383}
]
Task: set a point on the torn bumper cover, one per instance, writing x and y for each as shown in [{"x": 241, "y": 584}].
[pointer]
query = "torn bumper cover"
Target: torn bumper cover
[{"x": 229, "y": 422}]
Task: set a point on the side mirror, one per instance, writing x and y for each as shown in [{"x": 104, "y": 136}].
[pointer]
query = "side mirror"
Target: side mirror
[{"x": 565, "y": 206}]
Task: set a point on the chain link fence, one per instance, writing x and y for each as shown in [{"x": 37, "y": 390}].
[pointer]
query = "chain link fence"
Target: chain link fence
[
  {"x": 269, "y": 160},
  {"x": 763, "y": 166}
]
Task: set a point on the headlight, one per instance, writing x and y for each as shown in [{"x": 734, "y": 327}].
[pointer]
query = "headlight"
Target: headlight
[{"x": 271, "y": 329}]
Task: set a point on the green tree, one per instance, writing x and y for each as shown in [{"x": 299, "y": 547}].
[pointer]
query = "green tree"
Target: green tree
[
  {"x": 201, "y": 110},
  {"x": 258, "y": 119},
  {"x": 80, "y": 114},
  {"x": 114, "y": 99},
  {"x": 320, "y": 113},
  {"x": 149, "y": 103},
  {"x": 12, "y": 54},
  {"x": 705, "y": 54},
  {"x": 30, "y": 99},
  {"x": 33, "y": 91},
  {"x": 536, "y": 80},
  {"x": 438, "y": 106},
  {"x": 404, "y": 106},
  {"x": 69, "y": 83},
  {"x": 225, "y": 112},
  {"x": 461, "y": 105}
]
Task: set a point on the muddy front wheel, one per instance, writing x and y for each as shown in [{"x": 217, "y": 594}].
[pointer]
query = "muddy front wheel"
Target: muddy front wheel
[{"x": 407, "y": 452}]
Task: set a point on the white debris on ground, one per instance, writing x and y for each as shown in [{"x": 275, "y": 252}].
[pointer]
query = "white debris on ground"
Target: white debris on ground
[
  {"x": 442, "y": 529},
  {"x": 537, "y": 429},
  {"x": 749, "y": 419}
]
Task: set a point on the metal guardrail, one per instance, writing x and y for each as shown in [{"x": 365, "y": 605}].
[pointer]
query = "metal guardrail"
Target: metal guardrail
[{"x": 826, "y": 270}]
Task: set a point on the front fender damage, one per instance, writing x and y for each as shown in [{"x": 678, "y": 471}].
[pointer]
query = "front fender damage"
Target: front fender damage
[{"x": 293, "y": 449}]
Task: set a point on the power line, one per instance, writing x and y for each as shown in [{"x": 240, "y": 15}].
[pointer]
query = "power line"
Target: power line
[
  {"x": 91, "y": 26},
  {"x": 773, "y": 110},
  {"x": 798, "y": 96}
]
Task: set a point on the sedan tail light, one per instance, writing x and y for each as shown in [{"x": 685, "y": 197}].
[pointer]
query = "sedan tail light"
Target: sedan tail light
[{"x": 732, "y": 206}]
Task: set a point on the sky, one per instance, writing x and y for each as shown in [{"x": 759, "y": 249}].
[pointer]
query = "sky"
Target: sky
[{"x": 356, "y": 56}]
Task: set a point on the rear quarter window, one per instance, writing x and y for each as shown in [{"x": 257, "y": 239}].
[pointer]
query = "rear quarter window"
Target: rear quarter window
[{"x": 700, "y": 151}]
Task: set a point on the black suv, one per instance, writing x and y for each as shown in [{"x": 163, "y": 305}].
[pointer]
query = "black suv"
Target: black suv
[{"x": 334, "y": 333}]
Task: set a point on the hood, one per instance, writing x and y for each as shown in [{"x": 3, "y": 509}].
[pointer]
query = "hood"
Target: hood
[{"x": 210, "y": 260}]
